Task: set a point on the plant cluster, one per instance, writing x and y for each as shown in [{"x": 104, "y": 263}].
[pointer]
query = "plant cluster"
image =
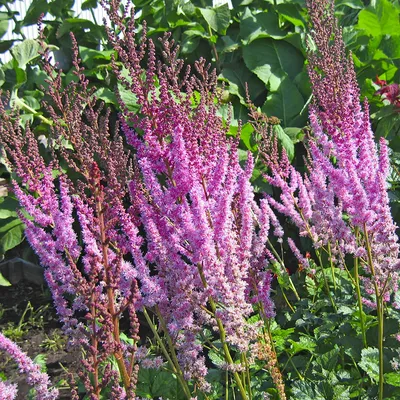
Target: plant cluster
[{"x": 152, "y": 221}]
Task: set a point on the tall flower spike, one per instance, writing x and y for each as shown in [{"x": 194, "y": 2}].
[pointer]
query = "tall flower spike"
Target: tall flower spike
[
  {"x": 194, "y": 200},
  {"x": 343, "y": 199},
  {"x": 86, "y": 273},
  {"x": 358, "y": 178}
]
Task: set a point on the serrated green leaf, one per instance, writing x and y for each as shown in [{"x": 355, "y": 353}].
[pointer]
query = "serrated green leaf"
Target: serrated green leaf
[
  {"x": 305, "y": 390},
  {"x": 128, "y": 98},
  {"x": 216, "y": 358},
  {"x": 393, "y": 378},
  {"x": 154, "y": 383},
  {"x": 328, "y": 361},
  {"x": 41, "y": 360},
  {"x": 370, "y": 362},
  {"x": 304, "y": 343}
]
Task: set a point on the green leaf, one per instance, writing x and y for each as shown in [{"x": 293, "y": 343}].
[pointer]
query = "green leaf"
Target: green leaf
[
  {"x": 261, "y": 25},
  {"x": 70, "y": 24},
  {"x": 216, "y": 358},
  {"x": 88, "y": 4},
  {"x": 393, "y": 378},
  {"x": 285, "y": 103},
  {"x": 128, "y": 98},
  {"x": 311, "y": 286},
  {"x": 218, "y": 18},
  {"x": 8, "y": 207},
  {"x": 41, "y": 360},
  {"x": 305, "y": 390},
  {"x": 295, "y": 134},
  {"x": 285, "y": 141},
  {"x": 154, "y": 383},
  {"x": 355, "y": 4},
  {"x": 190, "y": 41},
  {"x": 291, "y": 13},
  {"x": 328, "y": 361},
  {"x": 379, "y": 21},
  {"x": 106, "y": 95},
  {"x": 2, "y": 77},
  {"x": 272, "y": 60},
  {"x": 246, "y": 136},
  {"x": 3, "y": 23},
  {"x": 304, "y": 343},
  {"x": 390, "y": 46},
  {"x": 12, "y": 237},
  {"x": 92, "y": 57},
  {"x": 370, "y": 362},
  {"x": 25, "y": 52},
  {"x": 35, "y": 10},
  {"x": 237, "y": 76},
  {"x": 4, "y": 281}
]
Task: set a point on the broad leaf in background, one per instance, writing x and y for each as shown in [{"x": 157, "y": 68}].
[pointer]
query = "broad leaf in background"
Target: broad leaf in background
[{"x": 217, "y": 18}]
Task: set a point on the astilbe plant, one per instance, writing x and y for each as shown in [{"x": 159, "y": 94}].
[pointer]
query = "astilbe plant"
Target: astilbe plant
[
  {"x": 204, "y": 231},
  {"x": 204, "y": 261},
  {"x": 342, "y": 203},
  {"x": 93, "y": 287}
]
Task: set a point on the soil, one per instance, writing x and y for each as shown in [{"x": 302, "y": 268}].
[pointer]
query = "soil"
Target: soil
[{"x": 38, "y": 332}]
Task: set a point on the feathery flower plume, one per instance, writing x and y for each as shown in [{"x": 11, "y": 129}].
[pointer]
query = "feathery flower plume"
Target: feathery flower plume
[
  {"x": 86, "y": 272},
  {"x": 342, "y": 201},
  {"x": 34, "y": 377},
  {"x": 205, "y": 234}
]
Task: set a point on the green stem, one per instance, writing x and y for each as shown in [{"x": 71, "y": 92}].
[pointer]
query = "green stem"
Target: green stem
[
  {"x": 228, "y": 357},
  {"x": 175, "y": 366},
  {"x": 19, "y": 102},
  {"x": 328, "y": 291},
  {"x": 332, "y": 267},
  {"x": 280, "y": 260},
  {"x": 286, "y": 299},
  {"x": 379, "y": 311},
  {"x": 227, "y": 353},
  {"x": 359, "y": 299},
  {"x": 248, "y": 376}
]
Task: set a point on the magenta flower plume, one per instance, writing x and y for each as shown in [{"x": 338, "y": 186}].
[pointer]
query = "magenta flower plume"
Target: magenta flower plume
[
  {"x": 85, "y": 269},
  {"x": 342, "y": 201},
  {"x": 8, "y": 391},
  {"x": 204, "y": 232},
  {"x": 359, "y": 176},
  {"x": 34, "y": 377}
]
